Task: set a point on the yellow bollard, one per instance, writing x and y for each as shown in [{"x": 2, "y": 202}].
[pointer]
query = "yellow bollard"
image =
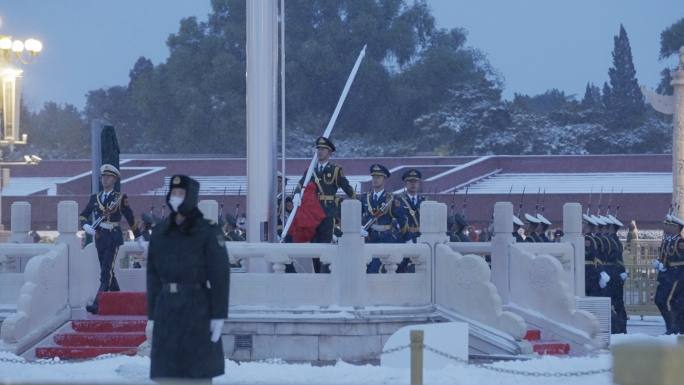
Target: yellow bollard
[
  {"x": 416, "y": 357},
  {"x": 648, "y": 363}
]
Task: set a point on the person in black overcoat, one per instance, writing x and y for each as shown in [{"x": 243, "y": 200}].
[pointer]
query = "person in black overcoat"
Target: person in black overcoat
[{"x": 188, "y": 279}]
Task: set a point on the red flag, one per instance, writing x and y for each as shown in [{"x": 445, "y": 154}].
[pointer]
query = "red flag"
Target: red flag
[{"x": 308, "y": 216}]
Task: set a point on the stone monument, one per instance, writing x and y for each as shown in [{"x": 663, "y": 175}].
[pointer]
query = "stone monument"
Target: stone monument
[{"x": 674, "y": 105}]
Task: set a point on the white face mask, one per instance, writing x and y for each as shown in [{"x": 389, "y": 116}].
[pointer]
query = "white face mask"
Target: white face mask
[{"x": 175, "y": 202}]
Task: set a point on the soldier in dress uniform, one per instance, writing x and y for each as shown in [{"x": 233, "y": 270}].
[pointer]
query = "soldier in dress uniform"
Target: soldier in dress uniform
[
  {"x": 145, "y": 229},
  {"x": 113, "y": 205},
  {"x": 543, "y": 226},
  {"x": 531, "y": 224},
  {"x": 591, "y": 272},
  {"x": 410, "y": 203},
  {"x": 664, "y": 276},
  {"x": 231, "y": 230},
  {"x": 517, "y": 224},
  {"x": 328, "y": 178},
  {"x": 675, "y": 267},
  {"x": 615, "y": 268},
  {"x": 381, "y": 231},
  {"x": 460, "y": 224},
  {"x": 289, "y": 267}
]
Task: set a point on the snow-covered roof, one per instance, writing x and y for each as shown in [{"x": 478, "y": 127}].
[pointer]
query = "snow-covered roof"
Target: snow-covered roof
[
  {"x": 574, "y": 183},
  {"x": 26, "y": 186}
]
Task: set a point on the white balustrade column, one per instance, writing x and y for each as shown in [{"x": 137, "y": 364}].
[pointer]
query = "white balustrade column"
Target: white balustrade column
[
  {"x": 503, "y": 230},
  {"x": 572, "y": 230},
  {"x": 80, "y": 272},
  {"x": 21, "y": 223},
  {"x": 349, "y": 266},
  {"x": 209, "y": 209},
  {"x": 433, "y": 227}
]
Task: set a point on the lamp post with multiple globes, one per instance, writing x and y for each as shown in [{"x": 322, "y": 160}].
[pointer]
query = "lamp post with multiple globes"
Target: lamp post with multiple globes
[{"x": 11, "y": 51}]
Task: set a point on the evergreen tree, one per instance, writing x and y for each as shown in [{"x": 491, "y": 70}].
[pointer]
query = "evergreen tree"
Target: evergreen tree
[
  {"x": 592, "y": 97},
  {"x": 670, "y": 40},
  {"x": 622, "y": 97}
]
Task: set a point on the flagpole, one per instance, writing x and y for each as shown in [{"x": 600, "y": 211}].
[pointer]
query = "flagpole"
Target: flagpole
[{"x": 326, "y": 134}]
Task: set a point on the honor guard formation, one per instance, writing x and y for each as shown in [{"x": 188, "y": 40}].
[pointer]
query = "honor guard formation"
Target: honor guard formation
[{"x": 390, "y": 217}]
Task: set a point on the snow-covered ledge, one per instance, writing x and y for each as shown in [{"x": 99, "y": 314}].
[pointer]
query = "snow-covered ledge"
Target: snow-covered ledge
[{"x": 43, "y": 302}]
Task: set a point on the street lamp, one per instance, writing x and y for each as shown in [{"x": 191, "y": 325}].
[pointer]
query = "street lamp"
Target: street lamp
[{"x": 10, "y": 101}]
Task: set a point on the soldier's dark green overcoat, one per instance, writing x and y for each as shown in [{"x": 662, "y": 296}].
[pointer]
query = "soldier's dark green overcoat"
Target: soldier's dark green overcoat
[{"x": 181, "y": 344}]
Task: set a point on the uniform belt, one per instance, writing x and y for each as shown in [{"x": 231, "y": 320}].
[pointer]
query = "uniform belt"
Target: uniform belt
[
  {"x": 675, "y": 264},
  {"x": 327, "y": 197},
  {"x": 176, "y": 287},
  {"x": 381, "y": 227},
  {"x": 609, "y": 263},
  {"x": 414, "y": 229}
]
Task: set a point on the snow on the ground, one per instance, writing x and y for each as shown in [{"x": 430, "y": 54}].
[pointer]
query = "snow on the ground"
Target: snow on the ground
[{"x": 118, "y": 369}]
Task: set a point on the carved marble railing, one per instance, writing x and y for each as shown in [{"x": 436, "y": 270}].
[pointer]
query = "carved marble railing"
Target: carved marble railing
[
  {"x": 43, "y": 301},
  {"x": 463, "y": 285}
]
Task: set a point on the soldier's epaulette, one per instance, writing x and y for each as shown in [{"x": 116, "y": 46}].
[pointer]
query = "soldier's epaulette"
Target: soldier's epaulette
[{"x": 334, "y": 165}]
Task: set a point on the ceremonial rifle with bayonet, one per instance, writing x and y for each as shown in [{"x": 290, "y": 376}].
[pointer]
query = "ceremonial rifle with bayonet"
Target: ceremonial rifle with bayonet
[
  {"x": 105, "y": 214},
  {"x": 465, "y": 199},
  {"x": 378, "y": 213}
]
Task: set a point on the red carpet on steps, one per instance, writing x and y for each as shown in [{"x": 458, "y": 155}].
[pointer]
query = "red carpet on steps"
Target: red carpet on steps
[
  {"x": 119, "y": 327},
  {"x": 546, "y": 347}
]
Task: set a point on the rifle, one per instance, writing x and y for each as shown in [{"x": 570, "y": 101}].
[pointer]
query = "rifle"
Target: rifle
[
  {"x": 464, "y": 202},
  {"x": 164, "y": 204},
  {"x": 434, "y": 194},
  {"x": 509, "y": 194},
  {"x": 589, "y": 205},
  {"x": 599, "y": 208},
  {"x": 452, "y": 203},
  {"x": 237, "y": 204},
  {"x": 221, "y": 209},
  {"x": 610, "y": 198},
  {"x": 618, "y": 205},
  {"x": 107, "y": 211},
  {"x": 543, "y": 201},
  {"x": 152, "y": 206},
  {"x": 521, "y": 202},
  {"x": 378, "y": 214},
  {"x": 536, "y": 205}
]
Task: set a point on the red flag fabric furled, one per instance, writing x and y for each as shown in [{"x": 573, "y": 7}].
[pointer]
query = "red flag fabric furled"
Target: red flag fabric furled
[{"x": 309, "y": 215}]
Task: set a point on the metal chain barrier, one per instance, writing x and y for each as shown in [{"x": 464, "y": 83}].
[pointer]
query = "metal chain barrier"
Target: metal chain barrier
[
  {"x": 361, "y": 358},
  {"x": 518, "y": 372}
]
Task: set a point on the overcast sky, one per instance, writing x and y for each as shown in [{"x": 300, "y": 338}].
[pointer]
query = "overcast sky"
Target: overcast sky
[{"x": 536, "y": 44}]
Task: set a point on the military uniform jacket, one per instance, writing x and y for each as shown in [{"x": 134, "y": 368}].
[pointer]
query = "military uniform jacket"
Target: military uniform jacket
[
  {"x": 392, "y": 212},
  {"x": 234, "y": 237},
  {"x": 459, "y": 237},
  {"x": 327, "y": 183},
  {"x": 279, "y": 200},
  {"x": 411, "y": 211},
  {"x": 544, "y": 238},
  {"x": 675, "y": 253},
  {"x": 533, "y": 237},
  {"x": 518, "y": 237},
  {"x": 181, "y": 338},
  {"x": 108, "y": 238}
]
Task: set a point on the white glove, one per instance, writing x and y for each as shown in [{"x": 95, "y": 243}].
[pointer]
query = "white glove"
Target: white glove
[
  {"x": 363, "y": 232},
  {"x": 623, "y": 276},
  {"x": 297, "y": 199},
  {"x": 216, "y": 326},
  {"x": 662, "y": 269},
  {"x": 278, "y": 239},
  {"x": 89, "y": 229},
  {"x": 411, "y": 241},
  {"x": 334, "y": 238},
  {"x": 605, "y": 276},
  {"x": 656, "y": 264},
  {"x": 602, "y": 283},
  {"x": 141, "y": 244}
]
